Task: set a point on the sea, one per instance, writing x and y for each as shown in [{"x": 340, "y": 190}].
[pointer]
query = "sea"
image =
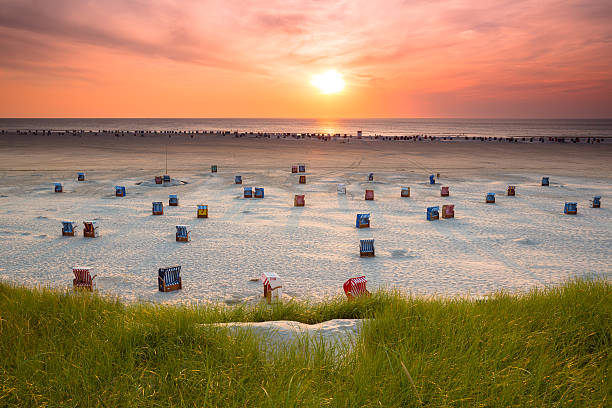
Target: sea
[{"x": 594, "y": 128}]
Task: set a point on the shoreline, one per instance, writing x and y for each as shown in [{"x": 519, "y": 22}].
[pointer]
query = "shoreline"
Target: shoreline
[{"x": 326, "y": 137}]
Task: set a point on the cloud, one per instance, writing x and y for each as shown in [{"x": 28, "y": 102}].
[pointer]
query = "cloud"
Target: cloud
[{"x": 385, "y": 46}]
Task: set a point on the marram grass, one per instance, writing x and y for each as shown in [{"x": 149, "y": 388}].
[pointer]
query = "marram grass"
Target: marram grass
[{"x": 549, "y": 347}]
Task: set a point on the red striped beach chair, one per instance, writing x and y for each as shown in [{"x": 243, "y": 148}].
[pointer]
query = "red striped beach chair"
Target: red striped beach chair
[
  {"x": 356, "y": 287},
  {"x": 90, "y": 229},
  {"x": 272, "y": 287},
  {"x": 83, "y": 279}
]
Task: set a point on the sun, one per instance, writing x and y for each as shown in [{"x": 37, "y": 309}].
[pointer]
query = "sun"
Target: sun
[{"x": 329, "y": 82}]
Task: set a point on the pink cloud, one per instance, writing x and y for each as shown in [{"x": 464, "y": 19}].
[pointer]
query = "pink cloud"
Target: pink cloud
[{"x": 405, "y": 51}]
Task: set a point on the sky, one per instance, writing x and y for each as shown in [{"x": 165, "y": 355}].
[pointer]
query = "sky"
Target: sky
[{"x": 199, "y": 58}]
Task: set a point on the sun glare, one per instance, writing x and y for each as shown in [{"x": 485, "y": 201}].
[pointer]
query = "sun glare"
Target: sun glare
[{"x": 328, "y": 82}]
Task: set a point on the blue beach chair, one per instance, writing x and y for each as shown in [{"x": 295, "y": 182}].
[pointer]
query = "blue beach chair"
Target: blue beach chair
[
  {"x": 158, "y": 208},
  {"x": 169, "y": 279},
  {"x": 259, "y": 192},
  {"x": 59, "y": 188},
  {"x": 183, "y": 233},
  {"x": 366, "y": 247},
  {"x": 596, "y": 202},
  {"x": 68, "y": 228},
  {"x": 490, "y": 198},
  {"x": 545, "y": 181},
  {"x": 173, "y": 200},
  {"x": 120, "y": 191},
  {"x": 248, "y": 192},
  {"x": 362, "y": 221},
  {"x": 80, "y": 176},
  {"x": 432, "y": 179},
  {"x": 238, "y": 179},
  {"x": 433, "y": 213},
  {"x": 571, "y": 208}
]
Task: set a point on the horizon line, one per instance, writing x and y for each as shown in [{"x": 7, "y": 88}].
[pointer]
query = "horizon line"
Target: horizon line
[{"x": 306, "y": 118}]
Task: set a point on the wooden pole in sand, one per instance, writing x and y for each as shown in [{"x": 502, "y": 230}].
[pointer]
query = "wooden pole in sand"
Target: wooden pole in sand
[{"x": 166, "y": 159}]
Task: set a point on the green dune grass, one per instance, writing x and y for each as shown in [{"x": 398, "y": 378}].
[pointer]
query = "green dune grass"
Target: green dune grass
[{"x": 549, "y": 347}]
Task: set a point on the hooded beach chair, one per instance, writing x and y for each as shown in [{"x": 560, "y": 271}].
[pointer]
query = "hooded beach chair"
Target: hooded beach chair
[
  {"x": 158, "y": 208},
  {"x": 83, "y": 279},
  {"x": 272, "y": 287},
  {"x": 355, "y": 287},
  {"x": 545, "y": 181},
  {"x": 433, "y": 213},
  {"x": 366, "y": 247},
  {"x": 405, "y": 192},
  {"x": 213, "y": 168},
  {"x": 259, "y": 192},
  {"x": 173, "y": 200},
  {"x": 80, "y": 176},
  {"x": 511, "y": 190},
  {"x": 248, "y": 192},
  {"x": 237, "y": 179},
  {"x": 68, "y": 228},
  {"x": 302, "y": 180},
  {"x": 294, "y": 169},
  {"x": 448, "y": 211},
  {"x": 432, "y": 179},
  {"x": 490, "y": 198},
  {"x": 362, "y": 221},
  {"x": 159, "y": 179},
  {"x": 596, "y": 202},
  {"x": 571, "y": 208},
  {"x": 59, "y": 188},
  {"x": 169, "y": 279},
  {"x": 166, "y": 178},
  {"x": 341, "y": 188},
  {"x": 202, "y": 211},
  {"x": 90, "y": 229},
  {"x": 120, "y": 191},
  {"x": 444, "y": 192},
  {"x": 369, "y": 194},
  {"x": 299, "y": 200},
  {"x": 302, "y": 168},
  {"x": 371, "y": 177},
  {"x": 183, "y": 233}
]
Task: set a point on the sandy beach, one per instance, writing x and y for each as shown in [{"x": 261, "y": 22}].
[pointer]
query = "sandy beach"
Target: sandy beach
[{"x": 515, "y": 244}]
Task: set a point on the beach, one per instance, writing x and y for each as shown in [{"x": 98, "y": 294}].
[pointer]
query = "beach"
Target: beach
[{"x": 515, "y": 244}]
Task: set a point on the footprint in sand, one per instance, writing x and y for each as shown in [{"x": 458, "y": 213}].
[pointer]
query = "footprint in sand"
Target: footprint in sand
[{"x": 401, "y": 253}]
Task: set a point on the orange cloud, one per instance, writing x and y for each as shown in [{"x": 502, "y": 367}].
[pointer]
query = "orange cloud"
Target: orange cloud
[{"x": 255, "y": 58}]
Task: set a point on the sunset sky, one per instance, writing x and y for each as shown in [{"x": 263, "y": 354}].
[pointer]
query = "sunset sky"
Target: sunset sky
[{"x": 188, "y": 58}]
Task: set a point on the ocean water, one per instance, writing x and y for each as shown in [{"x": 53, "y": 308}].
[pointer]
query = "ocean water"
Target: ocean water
[{"x": 599, "y": 128}]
